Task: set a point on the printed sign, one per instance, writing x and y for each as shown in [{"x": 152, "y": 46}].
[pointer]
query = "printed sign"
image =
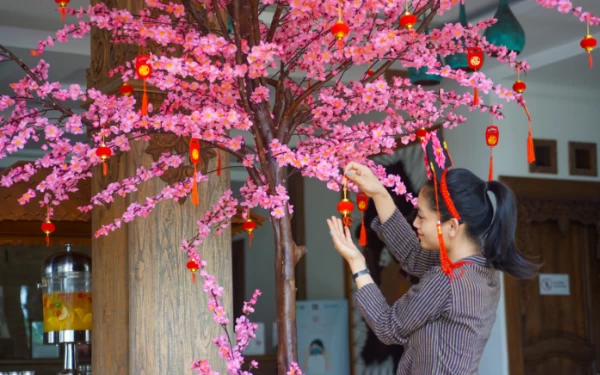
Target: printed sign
[{"x": 554, "y": 284}]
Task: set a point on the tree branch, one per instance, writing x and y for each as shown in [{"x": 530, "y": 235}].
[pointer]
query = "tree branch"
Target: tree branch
[
  {"x": 202, "y": 27},
  {"x": 221, "y": 21},
  {"x": 274, "y": 23}
]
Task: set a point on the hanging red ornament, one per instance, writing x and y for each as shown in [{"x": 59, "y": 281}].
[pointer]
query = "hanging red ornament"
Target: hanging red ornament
[
  {"x": 370, "y": 72},
  {"x": 48, "y": 228},
  {"x": 475, "y": 60},
  {"x": 340, "y": 29},
  {"x": 194, "y": 159},
  {"x": 126, "y": 89},
  {"x": 519, "y": 86},
  {"x": 63, "y": 7},
  {"x": 362, "y": 202},
  {"x": 345, "y": 208},
  {"x": 407, "y": 20},
  {"x": 103, "y": 153},
  {"x": 588, "y": 43},
  {"x": 193, "y": 267},
  {"x": 249, "y": 226},
  {"x": 492, "y": 135},
  {"x": 143, "y": 70},
  {"x": 421, "y": 133}
]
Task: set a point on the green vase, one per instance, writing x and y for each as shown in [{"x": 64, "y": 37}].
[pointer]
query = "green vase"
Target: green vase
[
  {"x": 459, "y": 60},
  {"x": 507, "y": 32}
]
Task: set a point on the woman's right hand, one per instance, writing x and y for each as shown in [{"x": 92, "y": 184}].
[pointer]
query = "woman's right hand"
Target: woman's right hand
[{"x": 364, "y": 178}]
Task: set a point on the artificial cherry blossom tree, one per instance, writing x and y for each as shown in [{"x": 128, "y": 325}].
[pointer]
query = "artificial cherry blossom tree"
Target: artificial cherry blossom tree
[{"x": 272, "y": 95}]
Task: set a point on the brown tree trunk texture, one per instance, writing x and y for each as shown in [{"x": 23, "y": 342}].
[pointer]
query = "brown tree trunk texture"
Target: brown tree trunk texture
[{"x": 287, "y": 255}]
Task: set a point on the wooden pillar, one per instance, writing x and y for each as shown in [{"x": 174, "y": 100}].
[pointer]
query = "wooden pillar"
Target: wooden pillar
[{"x": 149, "y": 319}]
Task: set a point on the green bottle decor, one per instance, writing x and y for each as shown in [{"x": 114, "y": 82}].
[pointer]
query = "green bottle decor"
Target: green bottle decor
[
  {"x": 420, "y": 76},
  {"x": 459, "y": 60},
  {"x": 507, "y": 32}
]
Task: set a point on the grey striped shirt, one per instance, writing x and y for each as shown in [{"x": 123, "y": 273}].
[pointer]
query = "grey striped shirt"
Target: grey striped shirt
[{"x": 442, "y": 324}]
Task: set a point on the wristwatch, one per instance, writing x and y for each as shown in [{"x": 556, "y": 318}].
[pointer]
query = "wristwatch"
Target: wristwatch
[{"x": 360, "y": 273}]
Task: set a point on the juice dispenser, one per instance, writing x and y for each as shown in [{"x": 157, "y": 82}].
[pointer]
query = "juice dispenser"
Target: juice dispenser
[{"x": 67, "y": 303}]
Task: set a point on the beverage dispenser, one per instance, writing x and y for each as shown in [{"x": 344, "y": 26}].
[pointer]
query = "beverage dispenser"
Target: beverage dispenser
[{"x": 67, "y": 303}]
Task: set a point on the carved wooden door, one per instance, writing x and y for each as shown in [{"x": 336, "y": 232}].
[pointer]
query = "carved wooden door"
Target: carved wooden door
[{"x": 550, "y": 332}]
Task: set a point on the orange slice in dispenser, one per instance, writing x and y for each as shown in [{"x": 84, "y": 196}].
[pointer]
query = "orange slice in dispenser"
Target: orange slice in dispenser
[
  {"x": 62, "y": 313},
  {"x": 88, "y": 319},
  {"x": 80, "y": 313}
]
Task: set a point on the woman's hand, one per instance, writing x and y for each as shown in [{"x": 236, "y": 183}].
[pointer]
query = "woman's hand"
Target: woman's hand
[
  {"x": 364, "y": 178},
  {"x": 342, "y": 240}
]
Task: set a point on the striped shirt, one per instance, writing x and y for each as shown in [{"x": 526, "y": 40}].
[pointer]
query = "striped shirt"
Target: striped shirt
[{"x": 442, "y": 324}]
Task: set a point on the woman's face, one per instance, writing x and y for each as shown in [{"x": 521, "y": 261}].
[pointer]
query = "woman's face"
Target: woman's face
[{"x": 426, "y": 221}]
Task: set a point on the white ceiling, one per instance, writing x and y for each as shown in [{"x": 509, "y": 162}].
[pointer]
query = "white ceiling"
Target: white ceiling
[{"x": 552, "y": 42}]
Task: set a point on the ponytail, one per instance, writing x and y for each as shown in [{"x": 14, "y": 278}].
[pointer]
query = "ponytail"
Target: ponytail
[{"x": 499, "y": 241}]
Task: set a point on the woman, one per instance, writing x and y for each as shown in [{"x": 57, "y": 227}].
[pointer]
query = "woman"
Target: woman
[{"x": 445, "y": 320}]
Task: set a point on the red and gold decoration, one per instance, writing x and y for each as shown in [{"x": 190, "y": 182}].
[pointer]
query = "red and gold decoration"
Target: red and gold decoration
[
  {"x": 103, "y": 152},
  {"x": 370, "y": 72},
  {"x": 588, "y": 43},
  {"x": 492, "y": 136},
  {"x": 362, "y": 203},
  {"x": 519, "y": 87},
  {"x": 421, "y": 133},
  {"x": 345, "y": 208},
  {"x": 340, "y": 29},
  {"x": 408, "y": 20},
  {"x": 126, "y": 89},
  {"x": 475, "y": 59},
  {"x": 195, "y": 159},
  {"x": 63, "y": 7},
  {"x": 48, "y": 228},
  {"x": 249, "y": 226},
  {"x": 218, "y": 162},
  {"x": 193, "y": 267},
  {"x": 143, "y": 71}
]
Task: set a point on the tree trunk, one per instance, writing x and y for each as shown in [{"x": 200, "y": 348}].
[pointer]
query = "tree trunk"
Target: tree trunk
[{"x": 285, "y": 293}]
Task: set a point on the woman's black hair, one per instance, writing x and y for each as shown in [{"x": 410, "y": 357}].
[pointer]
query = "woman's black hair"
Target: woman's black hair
[
  {"x": 493, "y": 229},
  {"x": 318, "y": 343}
]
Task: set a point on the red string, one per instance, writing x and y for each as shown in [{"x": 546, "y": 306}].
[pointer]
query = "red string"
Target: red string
[{"x": 446, "y": 195}]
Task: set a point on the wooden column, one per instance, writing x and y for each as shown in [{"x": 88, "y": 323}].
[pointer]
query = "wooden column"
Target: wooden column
[{"x": 149, "y": 319}]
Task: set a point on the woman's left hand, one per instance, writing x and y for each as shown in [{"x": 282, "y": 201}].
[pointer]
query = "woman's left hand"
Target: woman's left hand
[{"x": 342, "y": 240}]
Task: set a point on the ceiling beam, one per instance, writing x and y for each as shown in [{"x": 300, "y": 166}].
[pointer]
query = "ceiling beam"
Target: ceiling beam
[{"x": 543, "y": 58}]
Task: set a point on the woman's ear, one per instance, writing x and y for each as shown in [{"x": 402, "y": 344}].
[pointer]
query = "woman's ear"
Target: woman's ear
[{"x": 453, "y": 226}]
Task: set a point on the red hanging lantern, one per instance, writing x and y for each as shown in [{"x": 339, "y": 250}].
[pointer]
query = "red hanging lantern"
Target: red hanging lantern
[
  {"x": 126, "y": 89},
  {"x": 193, "y": 267},
  {"x": 340, "y": 29},
  {"x": 63, "y": 7},
  {"x": 475, "y": 60},
  {"x": 370, "y": 72},
  {"x": 249, "y": 226},
  {"x": 588, "y": 43},
  {"x": 103, "y": 153},
  {"x": 143, "y": 71},
  {"x": 48, "y": 228},
  {"x": 345, "y": 207},
  {"x": 421, "y": 133},
  {"x": 194, "y": 159},
  {"x": 519, "y": 86},
  {"x": 408, "y": 20},
  {"x": 362, "y": 202},
  {"x": 492, "y": 135}
]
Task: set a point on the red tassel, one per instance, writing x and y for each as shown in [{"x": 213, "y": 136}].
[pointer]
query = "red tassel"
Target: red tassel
[
  {"x": 195, "y": 188},
  {"x": 47, "y": 240},
  {"x": 104, "y": 168},
  {"x": 250, "y": 237},
  {"x": 591, "y": 61},
  {"x": 145, "y": 101},
  {"x": 63, "y": 12},
  {"x": 475, "y": 96},
  {"x": 491, "y": 174},
  {"x": 218, "y": 162},
  {"x": 194, "y": 277},
  {"x": 530, "y": 148},
  {"x": 341, "y": 45},
  {"x": 363, "y": 232}
]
